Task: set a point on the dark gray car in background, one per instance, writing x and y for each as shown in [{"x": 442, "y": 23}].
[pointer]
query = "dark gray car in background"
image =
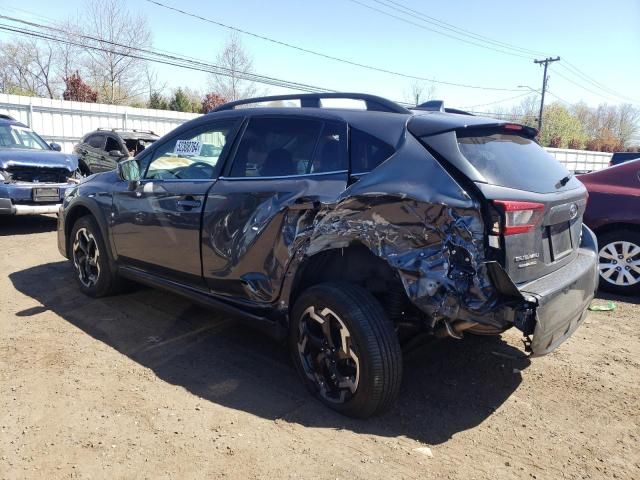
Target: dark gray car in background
[
  {"x": 101, "y": 150},
  {"x": 351, "y": 233}
]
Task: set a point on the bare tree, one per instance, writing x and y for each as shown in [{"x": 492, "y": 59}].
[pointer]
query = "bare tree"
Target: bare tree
[
  {"x": 236, "y": 62},
  {"x": 113, "y": 72},
  {"x": 29, "y": 67},
  {"x": 419, "y": 92},
  {"x": 628, "y": 123},
  {"x": 153, "y": 86}
]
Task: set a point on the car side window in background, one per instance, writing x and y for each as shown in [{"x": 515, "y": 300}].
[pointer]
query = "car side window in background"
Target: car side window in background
[
  {"x": 194, "y": 154},
  {"x": 277, "y": 147},
  {"x": 367, "y": 151},
  {"x": 96, "y": 141},
  {"x": 112, "y": 144}
]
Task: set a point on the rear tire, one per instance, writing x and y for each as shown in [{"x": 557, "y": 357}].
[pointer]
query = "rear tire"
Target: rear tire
[
  {"x": 89, "y": 258},
  {"x": 619, "y": 262},
  {"x": 345, "y": 349}
]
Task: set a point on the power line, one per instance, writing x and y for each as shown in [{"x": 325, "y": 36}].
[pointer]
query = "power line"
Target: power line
[
  {"x": 453, "y": 28},
  {"x": 497, "y": 101},
  {"x": 324, "y": 55},
  {"x": 583, "y": 76},
  {"x": 424, "y": 27},
  {"x": 153, "y": 56},
  {"x": 600, "y": 95},
  {"x": 403, "y": 9},
  {"x": 562, "y": 100}
]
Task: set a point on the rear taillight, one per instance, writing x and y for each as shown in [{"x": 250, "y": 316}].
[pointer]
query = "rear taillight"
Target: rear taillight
[{"x": 519, "y": 217}]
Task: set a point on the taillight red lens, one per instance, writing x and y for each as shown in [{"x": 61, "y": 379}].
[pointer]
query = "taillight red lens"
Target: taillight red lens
[
  {"x": 512, "y": 126},
  {"x": 519, "y": 217}
]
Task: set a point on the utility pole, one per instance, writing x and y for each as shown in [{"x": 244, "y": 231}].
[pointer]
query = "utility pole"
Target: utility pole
[{"x": 546, "y": 63}]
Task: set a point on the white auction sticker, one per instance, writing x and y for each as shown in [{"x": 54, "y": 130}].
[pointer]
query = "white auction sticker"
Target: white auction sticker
[{"x": 188, "y": 147}]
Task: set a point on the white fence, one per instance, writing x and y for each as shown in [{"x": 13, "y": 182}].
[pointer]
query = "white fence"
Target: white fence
[
  {"x": 66, "y": 122},
  {"x": 581, "y": 160}
]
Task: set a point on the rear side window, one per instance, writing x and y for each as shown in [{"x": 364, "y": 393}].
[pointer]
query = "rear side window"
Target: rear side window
[
  {"x": 112, "y": 144},
  {"x": 511, "y": 160},
  {"x": 367, "y": 151},
  {"x": 279, "y": 147},
  {"x": 96, "y": 141}
]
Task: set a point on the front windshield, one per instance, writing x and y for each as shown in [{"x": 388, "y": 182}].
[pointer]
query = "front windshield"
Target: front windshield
[{"x": 13, "y": 136}]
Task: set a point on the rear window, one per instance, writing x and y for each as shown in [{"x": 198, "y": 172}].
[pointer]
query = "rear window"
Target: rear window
[{"x": 511, "y": 160}]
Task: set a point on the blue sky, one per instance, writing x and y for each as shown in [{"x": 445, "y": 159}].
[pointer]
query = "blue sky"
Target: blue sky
[{"x": 602, "y": 39}]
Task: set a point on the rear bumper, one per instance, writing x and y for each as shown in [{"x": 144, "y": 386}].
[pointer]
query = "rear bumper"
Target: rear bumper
[{"x": 563, "y": 297}]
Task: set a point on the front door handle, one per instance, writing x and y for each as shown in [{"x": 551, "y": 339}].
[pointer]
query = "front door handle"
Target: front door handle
[{"x": 189, "y": 204}]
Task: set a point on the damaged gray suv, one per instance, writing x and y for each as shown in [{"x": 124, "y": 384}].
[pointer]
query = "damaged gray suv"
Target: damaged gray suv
[{"x": 349, "y": 232}]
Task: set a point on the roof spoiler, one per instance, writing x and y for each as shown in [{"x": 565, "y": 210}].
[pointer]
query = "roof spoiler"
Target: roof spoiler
[
  {"x": 4, "y": 116},
  {"x": 312, "y": 100},
  {"x": 438, "y": 106}
]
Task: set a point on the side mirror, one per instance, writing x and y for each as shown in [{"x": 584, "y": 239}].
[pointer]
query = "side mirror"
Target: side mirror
[
  {"x": 56, "y": 147},
  {"x": 116, "y": 153},
  {"x": 129, "y": 171}
]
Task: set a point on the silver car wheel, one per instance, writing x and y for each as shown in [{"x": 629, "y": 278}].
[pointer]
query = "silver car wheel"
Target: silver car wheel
[
  {"x": 86, "y": 257},
  {"x": 619, "y": 263},
  {"x": 327, "y": 354}
]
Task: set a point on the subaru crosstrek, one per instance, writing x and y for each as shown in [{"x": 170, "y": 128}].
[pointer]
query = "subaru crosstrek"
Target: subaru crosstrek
[{"x": 348, "y": 232}]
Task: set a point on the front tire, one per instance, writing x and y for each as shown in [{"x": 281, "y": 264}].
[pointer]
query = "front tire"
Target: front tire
[
  {"x": 345, "y": 349},
  {"x": 91, "y": 266},
  {"x": 619, "y": 262}
]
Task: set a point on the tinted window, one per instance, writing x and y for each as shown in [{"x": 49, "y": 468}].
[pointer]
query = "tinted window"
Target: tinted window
[
  {"x": 193, "y": 154},
  {"x": 112, "y": 144},
  {"x": 274, "y": 147},
  {"x": 367, "y": 151},
  {"x": 96, "y": 141},
  {"x": 512, "y": 161}
]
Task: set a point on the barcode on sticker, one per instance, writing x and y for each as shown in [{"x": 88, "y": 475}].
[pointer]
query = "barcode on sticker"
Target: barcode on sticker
[{"x": 188, "y": 147}]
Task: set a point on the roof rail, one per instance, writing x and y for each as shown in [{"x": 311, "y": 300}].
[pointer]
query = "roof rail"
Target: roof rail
[
  {"x": 4, "y": 116},
  {"x": 137, "y": 130},
  {"x": 438, "y": 106},
  {"x": 373, "y": 102}
]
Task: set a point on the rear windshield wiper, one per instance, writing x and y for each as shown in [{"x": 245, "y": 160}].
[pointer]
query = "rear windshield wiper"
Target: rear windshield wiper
[{"x": 564, "y": 180}]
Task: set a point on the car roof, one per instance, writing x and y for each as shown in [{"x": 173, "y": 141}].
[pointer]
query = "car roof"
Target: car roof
[
  {"x": 422, "y": 122},
  {"x": 386, "y": 126},
  {"x": 125, "y": 134},
  {"x": 6, "y": 120}
]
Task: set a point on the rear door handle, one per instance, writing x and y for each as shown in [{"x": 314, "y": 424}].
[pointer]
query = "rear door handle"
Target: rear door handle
[{"x": 189, "y": 204}]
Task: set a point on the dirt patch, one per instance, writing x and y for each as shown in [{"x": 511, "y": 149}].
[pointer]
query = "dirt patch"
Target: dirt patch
[{"x": 147, "y": 385}]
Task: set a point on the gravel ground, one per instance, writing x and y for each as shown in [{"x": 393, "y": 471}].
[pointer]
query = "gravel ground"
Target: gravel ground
[{"x": 147, "y": 385}]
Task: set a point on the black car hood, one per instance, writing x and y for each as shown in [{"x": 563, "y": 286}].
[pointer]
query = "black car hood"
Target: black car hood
[{"x": 37, "y": 158}]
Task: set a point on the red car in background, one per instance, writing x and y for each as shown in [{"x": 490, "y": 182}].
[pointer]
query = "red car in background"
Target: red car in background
[{"x": 613, "y": 213}]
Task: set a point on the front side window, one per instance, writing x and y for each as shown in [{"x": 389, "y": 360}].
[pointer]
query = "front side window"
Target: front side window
[
  {"x": 195, "y": 154},
  {"x": 278, "y": 147},
  {"x": 13, "y": 136}
]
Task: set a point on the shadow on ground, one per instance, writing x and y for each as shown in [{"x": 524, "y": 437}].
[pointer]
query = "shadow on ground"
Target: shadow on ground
[
  {"x": 27, "y": 224},
  {"x": 448, "y": 386},
  {"x": 603, "y": 297}
]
